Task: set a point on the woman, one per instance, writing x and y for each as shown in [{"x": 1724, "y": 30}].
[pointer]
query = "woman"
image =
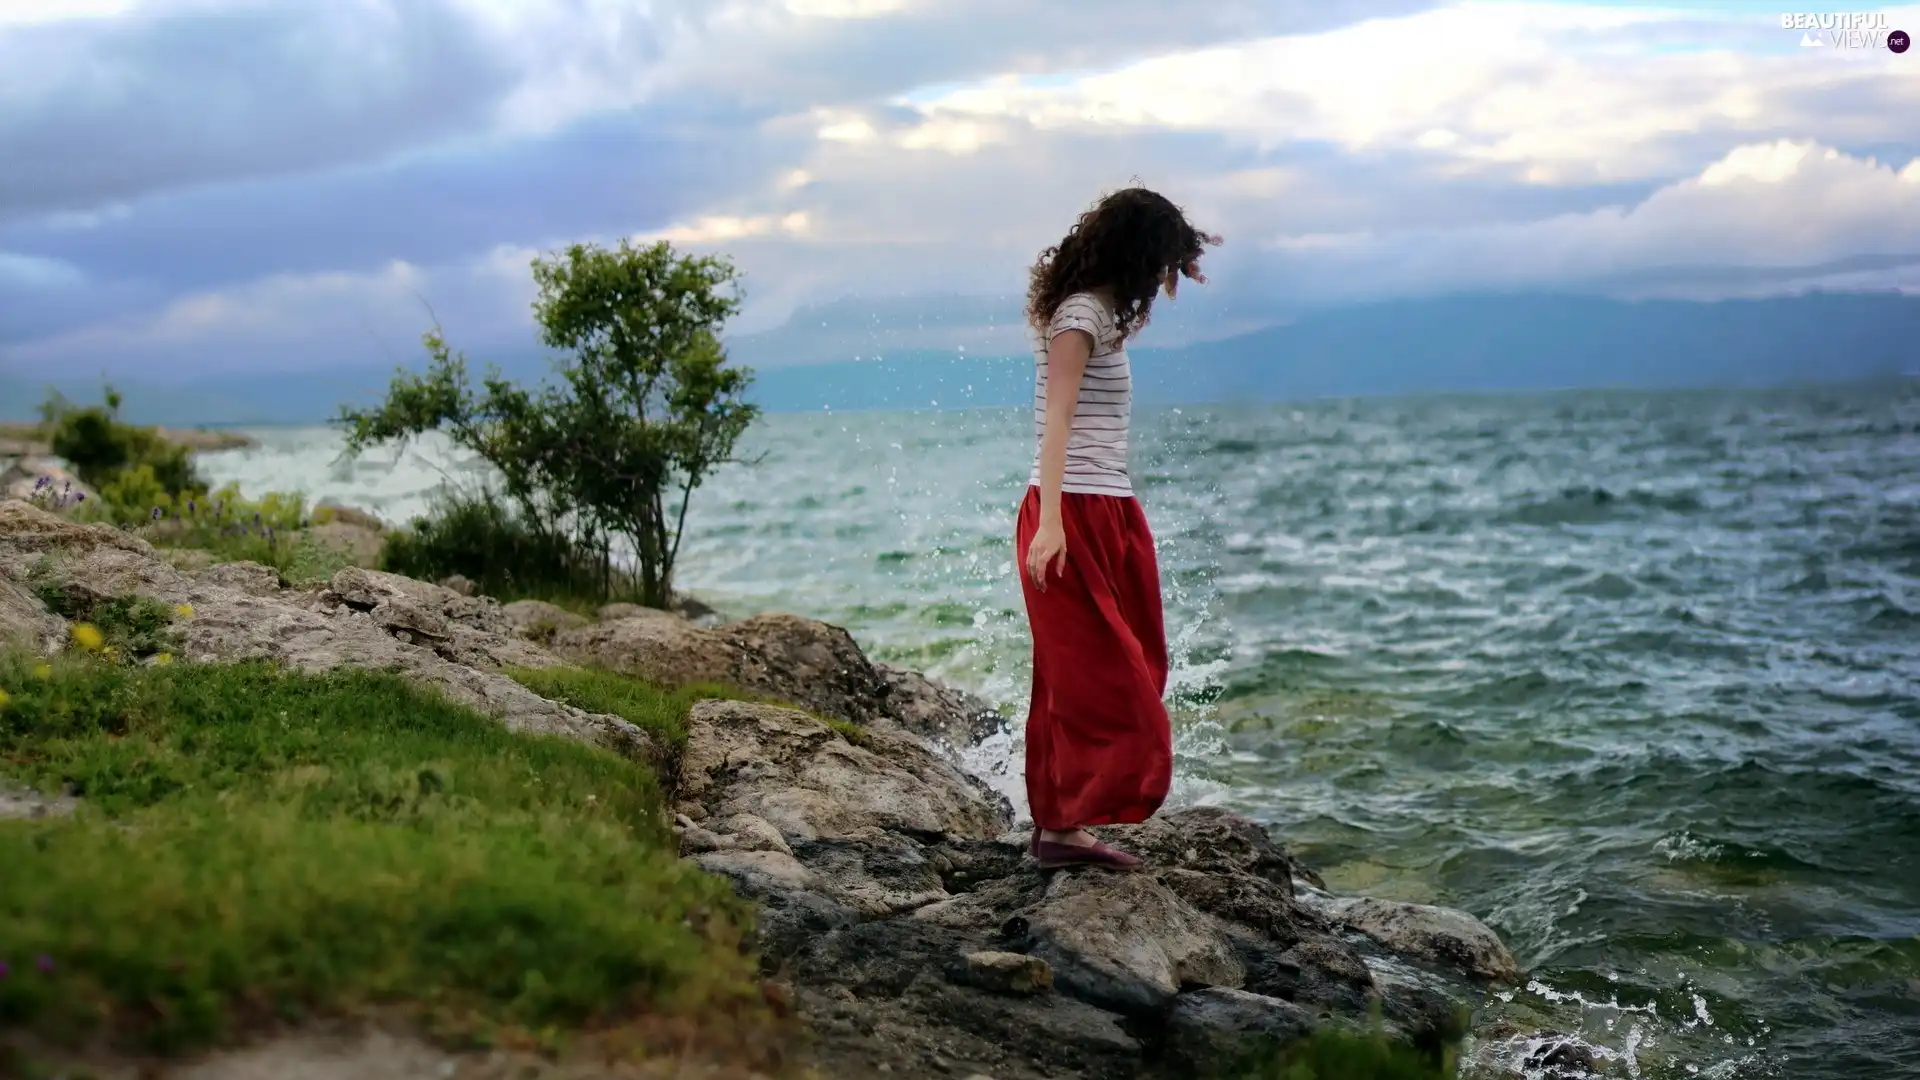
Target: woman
[{"x": 1099, "y": 749}]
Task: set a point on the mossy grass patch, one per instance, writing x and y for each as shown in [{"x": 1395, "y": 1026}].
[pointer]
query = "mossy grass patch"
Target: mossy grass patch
[{"x": 255, "y": 846}]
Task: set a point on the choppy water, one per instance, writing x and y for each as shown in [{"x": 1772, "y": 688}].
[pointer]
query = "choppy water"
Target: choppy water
[{"x": 1635, "y": 678}]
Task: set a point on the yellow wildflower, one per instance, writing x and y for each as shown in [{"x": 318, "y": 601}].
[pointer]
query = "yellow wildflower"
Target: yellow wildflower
[
  {"x": 87, "y": 636},
  {"x": 43, "y": 671},
  {"x": 4, "y": 698},
  {"x": 185, "y": 611},
  {"x": 163, "y": 658}
]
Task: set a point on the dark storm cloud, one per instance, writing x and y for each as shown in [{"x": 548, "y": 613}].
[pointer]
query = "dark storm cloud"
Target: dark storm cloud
[
  {"x": 623, "y": 174},
  {"x": 100, "y": 110},
  {"x": 279, "y": 187},
  {"x": 838, "y": 61},
  {"x": 97, "y": 110}
]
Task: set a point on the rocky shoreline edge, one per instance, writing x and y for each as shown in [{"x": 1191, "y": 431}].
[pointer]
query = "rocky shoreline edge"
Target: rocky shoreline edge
[
  {"x": 27, "y": 438},
  {"x": 899, "y": 917}
]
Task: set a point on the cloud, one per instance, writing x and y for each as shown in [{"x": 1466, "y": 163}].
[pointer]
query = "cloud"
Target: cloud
[
  {"x": 864, "y": 160},
  {"x": 762, "y": 53},
  {"x": 181, "y": 92},
  {"x": 721, "y": 230},
  {"x": 1778, "y": 216},
  {"x": 1543, "y": 93},
  {"x": 39, "y": 295},
  {"x": 94, "y": 110},
  {"x": 629, "y": 174},
  {"x": 1784, "y": 207},
  {"x": 24, "y": 272},
  {"x": 29, "y": 12},
  {"x": 302, "y": 322}
]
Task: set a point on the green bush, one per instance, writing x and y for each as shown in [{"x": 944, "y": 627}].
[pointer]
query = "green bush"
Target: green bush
[
  {"x": 232, "y": 527},
  {"x": 484, "y": 539},
  {"x": 256, "y": 846},
  {"x": 101, "y": 448}
]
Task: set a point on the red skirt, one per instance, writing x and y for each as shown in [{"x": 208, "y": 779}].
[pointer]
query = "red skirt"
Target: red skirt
[{"x": 1099, "y": 747}]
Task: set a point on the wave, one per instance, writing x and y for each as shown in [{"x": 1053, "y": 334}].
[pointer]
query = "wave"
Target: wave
[{"x": 1582, "y": 505}]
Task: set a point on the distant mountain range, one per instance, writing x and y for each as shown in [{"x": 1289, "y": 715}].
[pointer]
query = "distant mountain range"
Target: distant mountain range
[{"x": 1526, "y": 342}]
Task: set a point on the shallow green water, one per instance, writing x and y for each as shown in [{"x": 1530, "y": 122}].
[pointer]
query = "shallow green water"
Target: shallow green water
[{"x": 1634, "y": 678}]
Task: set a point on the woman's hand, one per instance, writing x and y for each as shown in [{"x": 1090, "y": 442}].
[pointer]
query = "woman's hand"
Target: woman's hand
[
  {"x": 1048, "y": 548},
  {"x": 1192, "y": 268}
]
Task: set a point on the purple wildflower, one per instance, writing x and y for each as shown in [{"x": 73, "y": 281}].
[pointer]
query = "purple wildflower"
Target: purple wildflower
[
  {"x": 79, "y": 496},
  {"x": 42, "y": 482},
  {"x": 44, "y": 963},
  {"x": 157, "y": 512},
  {"x": 68, "y": 486},
  {"x": 4, "y": 971},
  {"x": 192, "y": 506}
]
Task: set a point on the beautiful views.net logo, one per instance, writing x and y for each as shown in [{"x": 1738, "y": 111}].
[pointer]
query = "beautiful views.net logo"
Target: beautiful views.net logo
[{"x": 1846, "y": 30}]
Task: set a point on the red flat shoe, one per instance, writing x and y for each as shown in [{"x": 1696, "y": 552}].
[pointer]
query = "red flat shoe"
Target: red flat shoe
[{"x": 1054, "y": 856}]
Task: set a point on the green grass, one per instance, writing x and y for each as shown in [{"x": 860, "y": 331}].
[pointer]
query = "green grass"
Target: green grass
[
  {"x": 659, "y": 712},
  {"x": 257, "y": 846},
  {"x": 134, "y": 627},
  {"x": 300, "y": 559}
]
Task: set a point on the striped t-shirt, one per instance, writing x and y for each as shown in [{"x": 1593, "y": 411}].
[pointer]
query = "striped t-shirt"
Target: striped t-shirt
[{"x": 1097, "y": 444}]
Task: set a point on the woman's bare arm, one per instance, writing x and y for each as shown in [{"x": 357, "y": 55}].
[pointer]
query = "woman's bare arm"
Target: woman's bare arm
[{"x": 1067, "y": 357}]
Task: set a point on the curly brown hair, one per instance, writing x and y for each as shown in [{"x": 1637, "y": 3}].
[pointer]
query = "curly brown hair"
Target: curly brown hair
[{"x": 1126, "y": 246}]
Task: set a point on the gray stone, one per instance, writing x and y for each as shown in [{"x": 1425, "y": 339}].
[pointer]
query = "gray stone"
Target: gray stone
[
  {"x": 1008, "y": 973},
  {"x": 463, "y": 629},
  {"x": 25, "y": 622},
  {"x": 810, "y": 782},
  {"x": 1436, "y": 935},
  {"x": 251, "y": 578},
  {"x": 1214, "y": 1024},
  {"x": 20, "y": 479},
  {"x": 1209, "y": 840},
  {"x": 1125, "y": 942},
  {"x": 26, "y": 804},
  {"x": 539, "y": 621},
  {"x": 935, "y": 711}
]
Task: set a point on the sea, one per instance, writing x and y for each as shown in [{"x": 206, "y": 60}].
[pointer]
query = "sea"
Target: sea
[{"x": 1634, "y": 677}]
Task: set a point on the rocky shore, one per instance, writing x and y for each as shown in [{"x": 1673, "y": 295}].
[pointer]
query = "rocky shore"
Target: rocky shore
[
  {"x": 27, "y": 438},
  {"x": 899, "y": 917},
  {"x": 26, "y": 459}
]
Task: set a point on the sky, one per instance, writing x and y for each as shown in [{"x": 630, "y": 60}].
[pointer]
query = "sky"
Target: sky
[{"x": 198, "y": 187}]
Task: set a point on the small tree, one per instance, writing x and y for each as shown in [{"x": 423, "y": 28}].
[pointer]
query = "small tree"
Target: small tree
[
  {"x": 644, "y": 408},
  {"x": 103, "y": 450}
]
